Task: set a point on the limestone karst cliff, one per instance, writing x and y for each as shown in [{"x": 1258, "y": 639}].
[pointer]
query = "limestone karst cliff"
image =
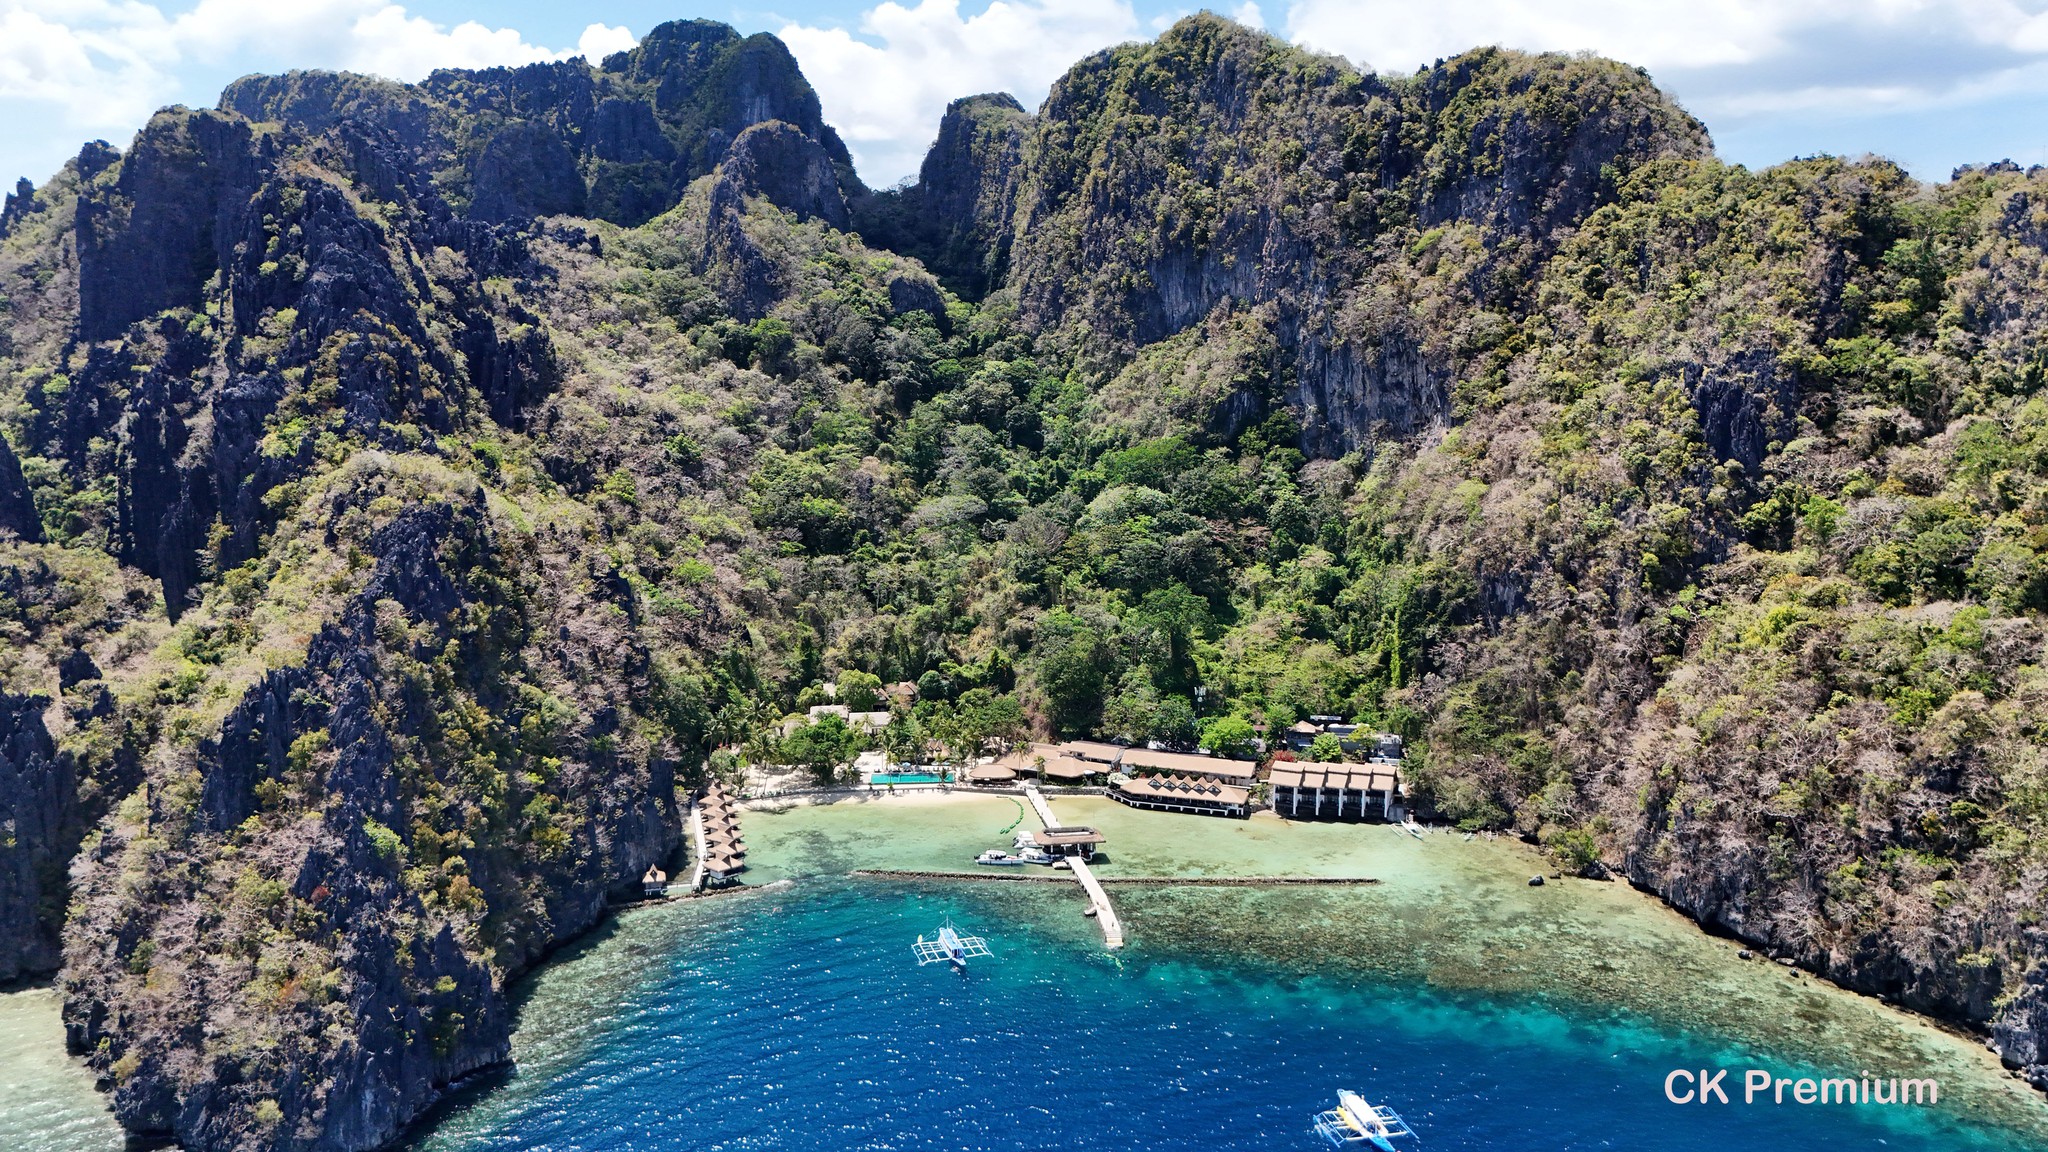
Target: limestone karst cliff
[{"x": 404, "y": 488}]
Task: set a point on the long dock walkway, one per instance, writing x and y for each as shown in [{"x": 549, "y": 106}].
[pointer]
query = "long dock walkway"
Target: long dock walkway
[
  {"x": 696, "y": 848},
  {"x": 1037, "y": 798},
  {"x": 1105, "y": 914},
  {"x": 1098, "y": 898}
]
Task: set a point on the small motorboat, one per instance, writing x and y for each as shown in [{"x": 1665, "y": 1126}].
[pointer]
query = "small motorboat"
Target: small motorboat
[
  {"x": 1062, "y": 863},
  {"x": 999, "y": 857},
  {"x": 1355, "y": 1124}
]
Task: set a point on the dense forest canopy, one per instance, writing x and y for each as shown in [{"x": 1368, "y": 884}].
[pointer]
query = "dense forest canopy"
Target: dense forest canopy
[{"x": 405, "y": 489}]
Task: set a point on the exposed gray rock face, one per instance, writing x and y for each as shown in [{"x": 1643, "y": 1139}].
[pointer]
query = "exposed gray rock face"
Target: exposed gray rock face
[
  {"x": 18, "y": 207},
  {"x": 957, "y": 217},
  {"x": 316, "y": 916},
  {"x": 793, "y": 171},
  {"x": 1214, "y": 170},
  {"x": 2020, "y": 1032},
  {"x": 201, "y": 199},
  {"x": 17, "y": 507},
  {"x": 620, "y": 141},
  {"x": 38, "y": 834},
  {"x": 152, "y": 240}
]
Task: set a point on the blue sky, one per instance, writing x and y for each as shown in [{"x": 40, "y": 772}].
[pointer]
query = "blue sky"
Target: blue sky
[{"x": 1930, "y": 83}]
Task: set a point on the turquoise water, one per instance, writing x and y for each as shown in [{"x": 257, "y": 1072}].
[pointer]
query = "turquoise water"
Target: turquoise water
[
  {"x": 905, "y": 778},
  {"x": 1491, "y": 1014},
  {"x": 795, "y": 1018}
]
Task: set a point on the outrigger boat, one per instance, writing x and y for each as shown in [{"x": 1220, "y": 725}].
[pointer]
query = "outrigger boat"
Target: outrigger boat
[
  {"x": 1354, "y": 1123},
  {"x": 998, "y": 856},
  {"x": 950, "y": 947}
]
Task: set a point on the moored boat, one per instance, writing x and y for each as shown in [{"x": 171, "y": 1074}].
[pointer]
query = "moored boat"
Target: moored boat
[{"x": 1353, "y": 1123}]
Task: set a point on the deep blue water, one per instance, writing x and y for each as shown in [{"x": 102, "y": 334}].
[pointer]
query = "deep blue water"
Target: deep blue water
[{"x": 796, "y": 1019}]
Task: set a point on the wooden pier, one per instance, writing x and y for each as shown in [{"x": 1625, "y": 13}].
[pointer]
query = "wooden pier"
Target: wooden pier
[
  {"x": 1105, "y": 915},
  {"x": 1098, "y": 899},
  {"x": 696, "y": 849}
]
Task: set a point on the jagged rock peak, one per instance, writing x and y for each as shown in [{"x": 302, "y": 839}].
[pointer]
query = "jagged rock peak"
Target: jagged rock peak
[
  {"x": 792, "y": 170},
  {"x": 618, "y": 141}
]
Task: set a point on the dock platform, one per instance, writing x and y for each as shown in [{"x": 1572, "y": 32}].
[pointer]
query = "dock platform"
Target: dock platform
[
  {"x": 1098, "y": 898},
  {"x": 696, "y": 848}
]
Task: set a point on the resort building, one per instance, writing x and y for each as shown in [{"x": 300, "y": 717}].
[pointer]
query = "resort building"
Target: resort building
[
  {"x": 1076, "y": 841},
  {"x": 719, "y": 839},
  {"x": 1138, "y": 761},
  {"x": 1334, "y": 791},
  {"x": 1203, "y": 796},
  {"x": 1072, "y": 770},
  {"x": 1093, "y": 750},
  {"x": 654, "y": 882},
  {"x": 991, "y": 775},
  {"x": 1026, "y": 759},
  {"x": 863, "y": 721}
]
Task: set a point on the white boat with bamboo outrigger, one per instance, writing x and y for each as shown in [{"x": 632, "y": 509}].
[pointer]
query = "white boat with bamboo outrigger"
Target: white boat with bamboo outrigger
[
  {"x": 950, "y": 946},
  {"x": 1355, "y": 1124}
]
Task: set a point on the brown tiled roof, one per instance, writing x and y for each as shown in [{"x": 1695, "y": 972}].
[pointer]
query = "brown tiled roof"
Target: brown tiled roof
[
  {"x": 1145, "y": 759},
  {"x": 1187, "y": 788},
  {"x": 1093, "y": 750},
  {"x": 991, "y": 772},
  {"x": 1052, "y": 837},
  {"x": 1025, "y": 757},
  {"x": 723, "y": 863},
  {"x": 1356, "y": 777},
  {"x": 1068, "y": 768}
]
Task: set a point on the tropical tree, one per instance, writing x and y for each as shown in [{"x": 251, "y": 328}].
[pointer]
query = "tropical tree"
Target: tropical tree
[
  {"x": 860, "y": 691},
  {"x": 821, "y": 748},
  {"x": 1230, "y": 736}
]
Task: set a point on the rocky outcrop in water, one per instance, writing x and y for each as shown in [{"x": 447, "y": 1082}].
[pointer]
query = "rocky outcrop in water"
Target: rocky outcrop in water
[
  {"x": 301, "y": 938},
  {"x": 38, "y": 833}
]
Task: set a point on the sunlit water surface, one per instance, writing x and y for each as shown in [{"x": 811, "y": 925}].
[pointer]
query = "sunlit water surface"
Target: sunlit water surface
[{"x": 1492, "y": 1014}]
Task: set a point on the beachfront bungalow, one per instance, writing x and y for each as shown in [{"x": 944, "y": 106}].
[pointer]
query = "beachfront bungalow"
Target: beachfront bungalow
[
  {"x": 722, "y": 868},
  {"x": 1072, "y": 770},
  {"x": 1143, "y": 761},
  {"x": 654, "y": 882},
  {"x": 1201, "y": 795},
  {"x": 1334, "y": 791},
  {"x": 991, "y": 775},
  {"x": 1075, "y": 841}
]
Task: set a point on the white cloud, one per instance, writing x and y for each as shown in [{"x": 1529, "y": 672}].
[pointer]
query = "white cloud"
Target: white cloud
[
  {"x": 886, "y": 88},
  {"x": 107, "y": 64},
  {"x": 1403, "y": 36},
  {"x": 1745, "y": 56}
]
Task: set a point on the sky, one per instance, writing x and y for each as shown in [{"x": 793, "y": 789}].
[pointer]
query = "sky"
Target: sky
[{"x": 1931, "y": 84}]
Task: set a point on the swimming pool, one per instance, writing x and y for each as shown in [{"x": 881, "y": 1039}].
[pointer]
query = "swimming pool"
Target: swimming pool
[{"x": 906, "y": 778}]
